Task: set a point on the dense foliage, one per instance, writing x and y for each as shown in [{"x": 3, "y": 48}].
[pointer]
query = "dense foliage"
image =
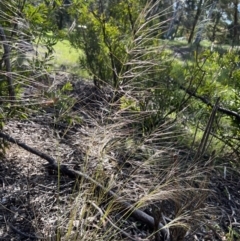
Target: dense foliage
[{"x": 129, "y": 53}]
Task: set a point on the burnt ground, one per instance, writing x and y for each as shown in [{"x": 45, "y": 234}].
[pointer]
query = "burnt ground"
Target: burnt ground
[{"x": 36, "y": 202}]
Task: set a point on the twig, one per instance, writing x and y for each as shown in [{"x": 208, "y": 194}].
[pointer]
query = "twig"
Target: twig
[
  {"x": 206, "y": 134},
  {"x": 129, "y": 208}
]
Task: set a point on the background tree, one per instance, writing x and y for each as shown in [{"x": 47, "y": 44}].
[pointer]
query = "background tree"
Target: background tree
[
  {"x": 208, "y": 19},
  {"x": 195, "y": 21},
  {"x": 216, "y": 30},
  {"x": 177, "y": 14}
]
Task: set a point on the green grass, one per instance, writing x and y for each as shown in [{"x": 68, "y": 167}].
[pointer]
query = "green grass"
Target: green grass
[
  {"x": 67, "y": 57},
  {"x": 174, "y": 43},
  {"x": 208, "y": 44},
  {"x": 65, "y": 54}
]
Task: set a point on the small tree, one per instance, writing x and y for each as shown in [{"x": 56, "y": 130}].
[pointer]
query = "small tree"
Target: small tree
[{"x": 104, "y": 30}]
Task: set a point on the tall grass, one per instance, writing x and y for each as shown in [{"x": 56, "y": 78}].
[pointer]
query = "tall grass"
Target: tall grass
[
  {"x": 142, "y": 166},
  {"x": 132, "y": 151}
]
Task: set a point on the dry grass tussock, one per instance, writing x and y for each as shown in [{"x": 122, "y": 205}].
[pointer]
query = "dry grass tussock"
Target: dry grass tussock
[
  {"x": 146, "y": 171},
  {"x": 149, "y": 177}
]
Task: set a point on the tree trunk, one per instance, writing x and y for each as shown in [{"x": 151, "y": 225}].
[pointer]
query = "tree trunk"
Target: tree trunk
[
  {"x": 201, "y": 28},
  {"x": 199, "y": 8},
  {"x": 178, "y": 24},
  {"x": 173, "y": 21},
  {"x": 235, "y": 26},
  {"x": 218, "y": 16}
]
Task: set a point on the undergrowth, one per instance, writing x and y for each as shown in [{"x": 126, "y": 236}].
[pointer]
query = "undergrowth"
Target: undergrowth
[
  {"x": 131, "y": 144},
  {"x": 132, "y": 150}
]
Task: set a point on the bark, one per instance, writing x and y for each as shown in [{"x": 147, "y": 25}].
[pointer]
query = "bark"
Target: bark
[
  {"x": 218, "y": 16},
  {"x": 199, "y": 9},
  {"x": 174, "y": 20},
  {"x": 235, "y": 26},
  {"x": 178, "y": 24},
  {"x": 201, "y": 28}
]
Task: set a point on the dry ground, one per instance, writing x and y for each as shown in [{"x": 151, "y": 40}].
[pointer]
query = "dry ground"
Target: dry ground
[{"x": 36, "y": 202}]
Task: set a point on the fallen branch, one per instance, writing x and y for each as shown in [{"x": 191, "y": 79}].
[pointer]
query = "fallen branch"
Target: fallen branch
[
  {"x": 207, "y": 102},
  {"x": 126, "y": 206}
]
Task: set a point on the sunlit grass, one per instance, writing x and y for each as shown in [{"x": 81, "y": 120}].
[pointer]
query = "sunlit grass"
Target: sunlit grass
[
  {"x": 67, "y": 58},
  {"x": 67, "y": 55}
]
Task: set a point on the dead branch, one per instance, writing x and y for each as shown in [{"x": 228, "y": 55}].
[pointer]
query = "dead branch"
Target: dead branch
[
  {"x": 130, "y": 210},
  {"x": 207, "y": 132},
  {"x": 207, "y": 102}
]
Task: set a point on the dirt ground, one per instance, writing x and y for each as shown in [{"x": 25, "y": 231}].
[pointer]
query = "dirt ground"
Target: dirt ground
[{"x": 34, "y": 199}]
